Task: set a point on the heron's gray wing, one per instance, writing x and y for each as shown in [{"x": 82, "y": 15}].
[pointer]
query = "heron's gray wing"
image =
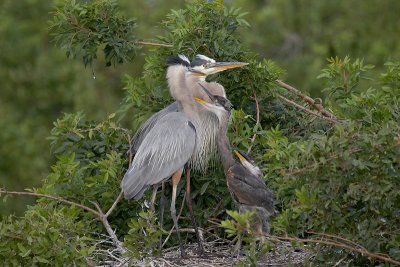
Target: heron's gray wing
[
  {"x": 165, "y": 149},
  {"x": 249, "y": 189},
  {"x": 137, "y": 139}
]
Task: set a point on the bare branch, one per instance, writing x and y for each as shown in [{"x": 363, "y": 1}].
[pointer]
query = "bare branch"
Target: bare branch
[
  {"x": 290, "y": 102},
  {"x": 114, "y": 204},
  {"x": 155, "y": 44},
  {"x": 99, "y": 214},
  {"x": 337, "y": 237},
  {"x": 59, "y": 199},
  {"x": 257, "y": 123},
  {"x": 307, "y": 99}
]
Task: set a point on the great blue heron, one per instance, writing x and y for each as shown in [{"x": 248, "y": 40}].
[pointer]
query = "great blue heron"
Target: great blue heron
[
  {"x": 207, "y": 122},
  {"x": 248, "y": 190},
  {"x": 200, "y": 68},
  {"x": 170, "y": 143}
]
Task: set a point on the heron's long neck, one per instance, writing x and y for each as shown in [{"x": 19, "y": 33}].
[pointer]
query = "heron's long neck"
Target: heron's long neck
[
  {"x": 224, "y": 147},
  {"x": 177, "y": 82}
]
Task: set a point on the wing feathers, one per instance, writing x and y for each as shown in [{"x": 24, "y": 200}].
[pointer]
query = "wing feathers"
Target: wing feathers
[{"x": 164, "y": 150}]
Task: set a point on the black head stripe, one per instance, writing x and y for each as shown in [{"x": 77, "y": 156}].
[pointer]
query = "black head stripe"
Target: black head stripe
[
  {"x": 177, "y": 60},
  {"x": 224, "y": 102},
  {"x": 201, "y": 60},
  {"x": 198, "y": 62}
]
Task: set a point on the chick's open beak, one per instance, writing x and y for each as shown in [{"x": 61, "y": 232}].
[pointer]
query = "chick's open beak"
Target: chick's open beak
[
  {"x": 239, "y": 155},
  {"x": 211, "y": 96}
]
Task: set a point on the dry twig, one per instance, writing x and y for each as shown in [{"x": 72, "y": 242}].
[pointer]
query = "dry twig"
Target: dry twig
[
  {"x": 307, "y": 99},
  {"x": 257, "y": 123},
  {"x": 155, "y": 44},
  {"x": 290, "y": 102},
  {"x": 99, "y": 214}
]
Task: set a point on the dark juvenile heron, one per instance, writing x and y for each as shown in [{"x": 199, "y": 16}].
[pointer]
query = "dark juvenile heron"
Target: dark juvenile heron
[
  {"x": 170, "y": 143},
  {"x": 247, "y": 189}
]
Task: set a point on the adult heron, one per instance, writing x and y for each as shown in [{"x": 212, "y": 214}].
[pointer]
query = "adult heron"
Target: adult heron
[
  {"x": 207, "y": 122},
  {"x": 169, "y": 144},
  {"x": 200, "y": 68}
]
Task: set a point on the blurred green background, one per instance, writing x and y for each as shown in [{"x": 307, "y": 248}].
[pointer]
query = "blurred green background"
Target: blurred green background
[{"x": 38, "y": 82}]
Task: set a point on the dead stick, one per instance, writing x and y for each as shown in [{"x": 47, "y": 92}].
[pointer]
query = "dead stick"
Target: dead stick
[
  {"x": 337, "y": 244},
  {"x": 307, "y": 99},
  {"x": 103, "y": 219},
  {"x": 257, "y": 123},
  {"x": 290, "y": 102},
  {"x": 99, "y": 214},
  {"x": 114, "y": 204},
  {"x": 59, "y": 199},
  {"x": 337, "y": 237},
  {"x": 155, "y": 44}
]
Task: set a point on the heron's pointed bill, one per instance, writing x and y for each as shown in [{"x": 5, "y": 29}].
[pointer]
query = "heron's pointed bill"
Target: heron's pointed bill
[
  {"x": 241, "y": 158},
  {"x": 211, "y": 96},
  {"x": 216, "y": 67}
]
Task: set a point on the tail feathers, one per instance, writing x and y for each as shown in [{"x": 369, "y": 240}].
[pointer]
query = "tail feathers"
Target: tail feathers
[{"x": 132, "y": 186}]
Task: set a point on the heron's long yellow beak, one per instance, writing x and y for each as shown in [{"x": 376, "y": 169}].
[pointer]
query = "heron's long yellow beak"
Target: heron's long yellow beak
[
  {"x": 216, "y": 67},
  {"x": 239, "y": 155},
  {"x": 221, "y": 66}
]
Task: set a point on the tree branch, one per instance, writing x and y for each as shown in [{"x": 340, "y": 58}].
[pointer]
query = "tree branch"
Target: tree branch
[
  {"x": 154, "y": 44},
  {"x": 307, "y": 99},
  {"x": 99, "y": 213},
  {"x": 59, "y": 199},
  {"x": 290, "y": 102},
  {"x": 257, "y": 123},
  {"x": 114, "y": 204},
  {"x": 336, "y": 244}
]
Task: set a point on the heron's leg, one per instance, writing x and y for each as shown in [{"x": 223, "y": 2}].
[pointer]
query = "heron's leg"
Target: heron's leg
[
  {"x": 189, "y": 203},
  {"x": 162, "y": 206},
  {"x": 153, "y": 198},
  {"x": 238, "y": 246},
  {"x": 176, "y": 177}
]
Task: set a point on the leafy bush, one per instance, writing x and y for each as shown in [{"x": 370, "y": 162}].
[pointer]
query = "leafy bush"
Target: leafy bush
[{"x": 340, "y": 178}]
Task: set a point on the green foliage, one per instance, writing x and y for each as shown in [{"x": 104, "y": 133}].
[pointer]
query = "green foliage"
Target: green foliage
[
  {"x": 254, "y": 246},
  {"x": 340, "y": 179},
  {"x": 300, "y": 35},
  {"x": 82, "y": 27},
  {"x": 45, "y": 236},
  {"x": 344, "y": 181},
  {"x": 143, "y": 236}
]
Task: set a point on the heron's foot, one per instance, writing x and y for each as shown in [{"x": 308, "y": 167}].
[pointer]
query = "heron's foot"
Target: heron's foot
[
  {"x": 201, "y": 253},
  {"x": 184, "y": 255}
]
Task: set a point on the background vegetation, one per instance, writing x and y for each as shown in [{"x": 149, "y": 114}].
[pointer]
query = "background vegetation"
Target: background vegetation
[{"x": 341, "y": 179}]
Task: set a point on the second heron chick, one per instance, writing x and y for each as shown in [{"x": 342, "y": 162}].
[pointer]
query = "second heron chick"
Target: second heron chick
[{"x": 249, "y": 192}]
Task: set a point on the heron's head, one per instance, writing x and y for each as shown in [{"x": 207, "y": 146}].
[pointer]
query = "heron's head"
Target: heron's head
[
  {"x": 178, "y": 60},
  {"x": 220, "y": 106},
  {"x": 203, "y": 66},
  {"x": 248, "y": 163},
  {"x": 218, "y": 100}
]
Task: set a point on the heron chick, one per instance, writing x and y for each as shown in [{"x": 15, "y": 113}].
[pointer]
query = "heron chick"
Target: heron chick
[{"x": 244, "y": 181}]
